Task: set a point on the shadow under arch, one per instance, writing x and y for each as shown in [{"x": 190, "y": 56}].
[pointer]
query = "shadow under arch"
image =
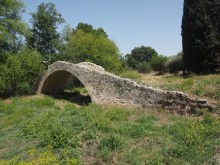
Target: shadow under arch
[{"x": 58, "y": 85}]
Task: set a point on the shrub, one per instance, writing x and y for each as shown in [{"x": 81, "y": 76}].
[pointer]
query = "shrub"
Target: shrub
[
  {"x": 20, "y": 73},
  {"x": 176, "y": 64},
  {"x": 143, "y": 67},
  {"x": 159, "y": 64}
]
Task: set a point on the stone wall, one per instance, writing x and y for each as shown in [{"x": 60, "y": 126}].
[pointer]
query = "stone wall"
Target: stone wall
[{"x": 106, "y": 88}]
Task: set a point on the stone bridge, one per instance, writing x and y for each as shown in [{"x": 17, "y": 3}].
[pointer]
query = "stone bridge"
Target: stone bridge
[{"x": 106, "y": 88}]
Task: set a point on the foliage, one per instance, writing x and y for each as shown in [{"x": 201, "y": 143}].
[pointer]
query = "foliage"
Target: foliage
[
  {"x": 159, "y": 64},
  {"x": 143, "y": 67},
  {"x": 12, "y": 29},
  {"x": 44, "y": 36},
  {"x": 176, "y": 64},
  {"x": 87, "y": 46},
  {"x": 20, "y": 73},
  {"x": 89, "y": 29},
  {"x": 140, "y": 55},
  {"x": 200, "y": 35}
]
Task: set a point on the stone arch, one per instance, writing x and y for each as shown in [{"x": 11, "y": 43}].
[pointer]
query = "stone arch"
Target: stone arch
[
  {"x": 55, "y": 80},
  {"x": 106, "y": 88}
]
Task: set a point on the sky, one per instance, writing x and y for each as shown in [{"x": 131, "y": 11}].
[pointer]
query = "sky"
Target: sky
[{"x": 129, "y": 23}]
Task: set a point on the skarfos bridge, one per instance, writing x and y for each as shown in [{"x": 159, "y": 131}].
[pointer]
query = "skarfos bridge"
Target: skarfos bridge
[{"x": 106, "y": 88}]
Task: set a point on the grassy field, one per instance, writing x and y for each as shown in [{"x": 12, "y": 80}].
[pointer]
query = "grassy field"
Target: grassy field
[{"x": 43, "y": 130}]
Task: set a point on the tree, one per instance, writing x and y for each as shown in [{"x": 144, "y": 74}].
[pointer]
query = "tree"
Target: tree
[
  {"x": 88, "y": 46},
  {"x": 44, "y": 36},
  {"x": 200, "y": 36},
  {"x": 140, "y": 55},
  {"x": 159, "y": 64},
  {"x": 12, "y": 29},
  {"x": 214, "y": 14}
]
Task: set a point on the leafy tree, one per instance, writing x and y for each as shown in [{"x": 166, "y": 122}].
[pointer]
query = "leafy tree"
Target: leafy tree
[
  {"x": 87, "y": 46},
  {"x": 140, "y": 55},
  {"x": 159, "y": 64},
  {"x": 44, "y": 36},
  {"x": 200, "y": 36},
  {"x": 12, "y": 29}
]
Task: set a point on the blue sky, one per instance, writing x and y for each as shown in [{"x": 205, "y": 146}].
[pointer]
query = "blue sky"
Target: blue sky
[{"x": 129, "y": 23}]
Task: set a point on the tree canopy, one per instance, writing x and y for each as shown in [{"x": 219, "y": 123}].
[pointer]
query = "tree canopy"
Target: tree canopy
[
  {"x": 90, "y": 45},
  {"x": 140, "y": 55},
  {"x": 87, "y": 28}
]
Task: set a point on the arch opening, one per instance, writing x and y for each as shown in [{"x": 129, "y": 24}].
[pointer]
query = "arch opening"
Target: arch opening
[{"x": 64, "y": 85}]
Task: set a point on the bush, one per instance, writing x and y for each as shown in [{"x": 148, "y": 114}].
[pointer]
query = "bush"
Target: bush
[
  {"x": 176, "y": 64},
  {"x": 20, "y": 73},
  {"x": 143, "y": 67},
  {"x": 159, "y": 64}
]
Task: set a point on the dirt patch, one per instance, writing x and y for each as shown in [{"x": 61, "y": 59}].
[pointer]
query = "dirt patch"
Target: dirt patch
[
  {"x": 218, "y": 155},
  {"x": 89, "y": 150},
  {"x": 7, "y": 101}
]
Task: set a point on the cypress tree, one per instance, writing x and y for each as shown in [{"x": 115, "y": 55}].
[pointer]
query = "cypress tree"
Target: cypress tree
[{"x": 200, "y": 36}]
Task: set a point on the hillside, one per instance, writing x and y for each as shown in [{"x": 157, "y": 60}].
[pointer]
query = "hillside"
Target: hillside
[{"x": 42, "y": 130}]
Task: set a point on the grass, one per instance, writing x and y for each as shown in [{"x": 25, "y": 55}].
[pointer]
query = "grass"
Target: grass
[
  {"x": 43, "y": 130},
  {"x": 38, "y": 130},
  {"x": 131, "y": 74}
]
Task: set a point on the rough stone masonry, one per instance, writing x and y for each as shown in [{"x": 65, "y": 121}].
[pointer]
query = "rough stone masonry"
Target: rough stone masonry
[{"x": 106, "y": 88}]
